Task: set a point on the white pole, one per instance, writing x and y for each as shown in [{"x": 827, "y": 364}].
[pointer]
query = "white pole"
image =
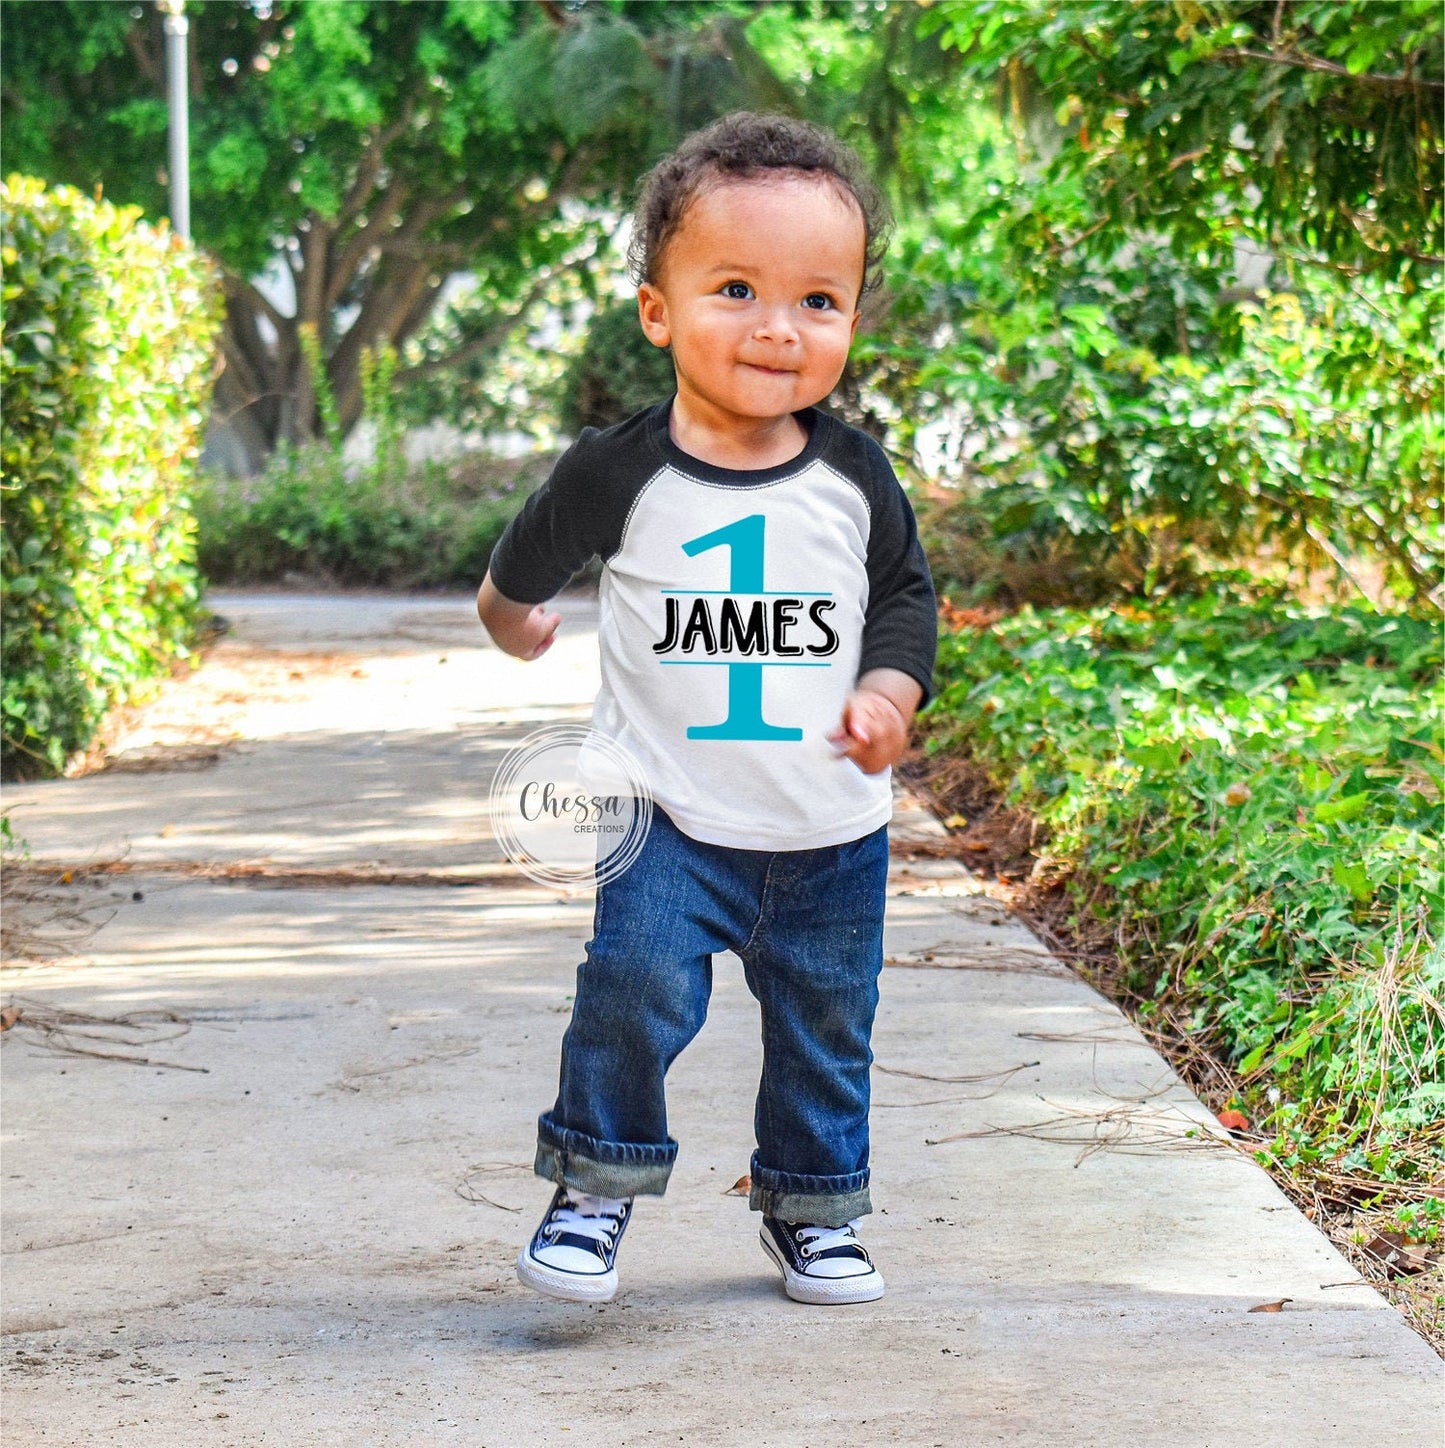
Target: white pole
[{"x": 177, "y": 68}]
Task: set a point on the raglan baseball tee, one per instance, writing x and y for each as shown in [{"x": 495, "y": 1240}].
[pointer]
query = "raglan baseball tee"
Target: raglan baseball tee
[{"x": 738, "y": 610}]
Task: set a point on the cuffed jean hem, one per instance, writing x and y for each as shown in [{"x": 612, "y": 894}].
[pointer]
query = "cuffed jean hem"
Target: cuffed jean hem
[
  {"x": 821, "y": 1201},
  {"x": 602, "y": 1168}
]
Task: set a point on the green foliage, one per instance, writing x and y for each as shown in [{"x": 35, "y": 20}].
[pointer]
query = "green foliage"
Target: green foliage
[
  {"x": 378, "y": 370},
  {"x": 487, "y": 372},
  {"x": 1136, "y": 471},
  {"x": 106, "y": 359},
  {"x": 618, "y": 372},
  {"x": 331, "y": 432},
  {"x": 1252, "y": 798},
  {"x": 306, "y": 514},
  {"x": 1126, "y": 416},
  {"x": 371, "y": 150},
  {"x": 1312, "y": 128}
]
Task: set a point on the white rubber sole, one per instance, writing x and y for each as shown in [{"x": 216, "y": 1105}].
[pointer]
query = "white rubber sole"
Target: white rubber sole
[
  {"x": 824, "y": 1291},
  {"x": 569, "y": 1286}
]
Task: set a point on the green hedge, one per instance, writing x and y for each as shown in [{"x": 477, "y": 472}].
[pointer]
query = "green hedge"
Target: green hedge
[
  {"x": 105, "y": 363},
  {"x": 1251, "y": 797}
]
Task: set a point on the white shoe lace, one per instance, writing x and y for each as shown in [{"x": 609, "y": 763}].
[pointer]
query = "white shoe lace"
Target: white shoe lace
[
  {"x": 820, "y": 1239},
  {"x": 597, "y": 1218}
]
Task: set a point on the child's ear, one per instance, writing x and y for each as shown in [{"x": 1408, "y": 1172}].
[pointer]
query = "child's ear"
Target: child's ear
[{"x": 652, "y": 313}]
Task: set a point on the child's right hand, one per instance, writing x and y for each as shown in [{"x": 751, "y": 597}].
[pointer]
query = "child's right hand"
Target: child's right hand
[
  {"x": 535, "y": 635},
  {"x": 523, "y": 630}
]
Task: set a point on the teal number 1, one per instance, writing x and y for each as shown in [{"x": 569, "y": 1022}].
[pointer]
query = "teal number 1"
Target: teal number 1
[{"x": 744, "y": 542}]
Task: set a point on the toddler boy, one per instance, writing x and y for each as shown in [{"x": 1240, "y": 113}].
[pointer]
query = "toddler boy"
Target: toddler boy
[{"x": 767, "y": 632}]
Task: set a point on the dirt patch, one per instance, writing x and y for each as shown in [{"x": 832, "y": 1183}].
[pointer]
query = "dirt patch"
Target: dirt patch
[{"x": 994, "y": 841}]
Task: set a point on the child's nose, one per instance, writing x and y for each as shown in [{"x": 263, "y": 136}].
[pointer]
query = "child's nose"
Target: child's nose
[{"x": 776, "y": 325}]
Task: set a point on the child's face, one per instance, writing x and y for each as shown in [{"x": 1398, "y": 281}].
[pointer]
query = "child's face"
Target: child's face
[{"x": 758, "y": 297}]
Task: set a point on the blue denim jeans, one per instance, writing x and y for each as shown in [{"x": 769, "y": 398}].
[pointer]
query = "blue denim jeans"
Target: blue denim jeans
[{"x": 808, "y": 925}]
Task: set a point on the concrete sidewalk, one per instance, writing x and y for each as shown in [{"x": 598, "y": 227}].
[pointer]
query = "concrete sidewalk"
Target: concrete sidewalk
[{"x": 292, "y": 1219}]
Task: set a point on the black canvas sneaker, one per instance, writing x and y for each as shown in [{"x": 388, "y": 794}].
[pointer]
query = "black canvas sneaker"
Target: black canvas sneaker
[
  {"x": 573, "y": 1252},
  {"x": 821, "y": 1264}
]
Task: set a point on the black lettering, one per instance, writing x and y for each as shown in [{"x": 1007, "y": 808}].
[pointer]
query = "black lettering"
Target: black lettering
[
  {"x": 830, "y": 644},
  {"x": 671, "y": 631},
  {"x": 746, "y": 638},
  {"x": 699, "y": 625},
  {"x": 784, "y": 617}
]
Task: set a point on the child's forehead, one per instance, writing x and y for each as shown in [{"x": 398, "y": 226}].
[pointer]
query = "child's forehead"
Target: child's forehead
[
  {"x": 723, "y": 194},
  {"x": 771, "y": 217}
]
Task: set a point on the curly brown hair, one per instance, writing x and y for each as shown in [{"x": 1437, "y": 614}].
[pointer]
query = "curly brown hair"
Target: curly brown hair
[{"x": 744, "y": 146}]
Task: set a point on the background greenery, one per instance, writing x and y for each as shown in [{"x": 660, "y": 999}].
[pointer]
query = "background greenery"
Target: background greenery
[{"x": 106, "y": 359}]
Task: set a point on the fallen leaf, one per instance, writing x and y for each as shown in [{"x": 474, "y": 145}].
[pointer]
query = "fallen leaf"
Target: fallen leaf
[
  {"x": 955, "y": 822},
  {"x": 1233, "y": 1120},
  {"x": 1272, "y": 1306},
  {"x": 742, "y": 1187},
  {"x": 974, "y": 845},
  {"x": 1398, "y": 1254},
  {"x": 9, "y": 1016}
]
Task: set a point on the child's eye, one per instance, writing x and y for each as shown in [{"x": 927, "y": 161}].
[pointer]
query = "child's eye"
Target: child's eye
[
  {"x": 738, "y": 291},
  {"x": 818, "y": 301}
]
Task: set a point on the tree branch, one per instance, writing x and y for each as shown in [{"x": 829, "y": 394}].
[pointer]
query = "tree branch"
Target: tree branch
[
  {"x": 242, "y": 336},
  {"x": 369, "y": 167},
  {"x": 1407, "y": 83},
  {"x": 312, "y": 303},
  {"x": 485, "y": 340},
  {"x": 396, "y": 291},
  {"x": 235, "y": 285},
  {"x": 144, "y": 57},
  {"x": 346, "y": 263}
]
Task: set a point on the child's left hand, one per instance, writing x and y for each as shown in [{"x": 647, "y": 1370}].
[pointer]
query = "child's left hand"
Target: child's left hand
[{"x": 873, "y": 732}]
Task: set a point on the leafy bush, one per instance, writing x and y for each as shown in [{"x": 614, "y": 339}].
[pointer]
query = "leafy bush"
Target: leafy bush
[
  {"x": 1293, "y": 427},
  {"x": 1125, "y": 364},
  {"x": 617, "y": 373},
  {"x": 106, "y": 351},
  {"x": 307, "y": 515},
  {"x": 1252, "y": 798}
]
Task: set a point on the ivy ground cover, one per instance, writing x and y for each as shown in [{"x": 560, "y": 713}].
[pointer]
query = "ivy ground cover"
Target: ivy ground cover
[{"x": 1250, "y": 797}]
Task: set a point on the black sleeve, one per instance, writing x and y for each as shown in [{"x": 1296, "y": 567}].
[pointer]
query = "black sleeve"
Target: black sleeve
[
  {"x": 579, "y": 513},
  {"x": 900, "y": 625},
  {"x": 557, "y": 532}
]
